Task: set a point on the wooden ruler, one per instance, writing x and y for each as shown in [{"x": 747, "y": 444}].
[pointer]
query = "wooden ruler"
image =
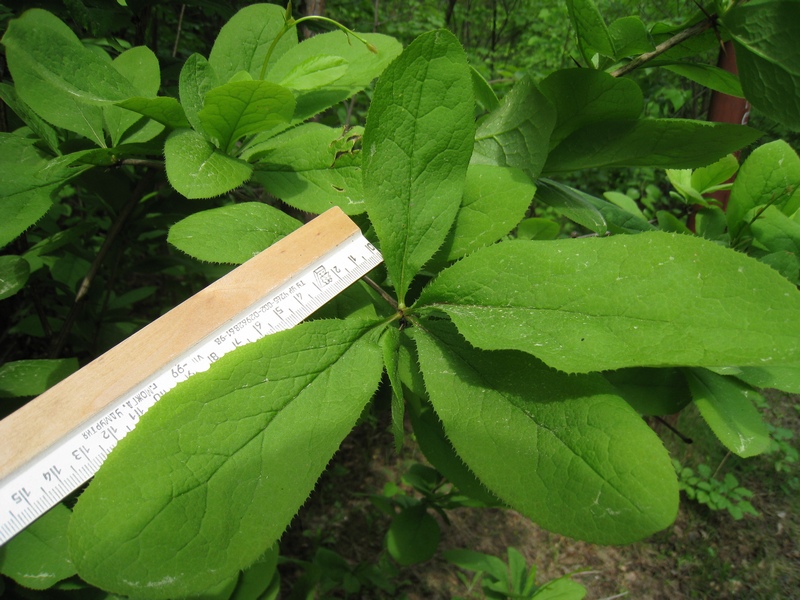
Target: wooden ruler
[{"x": 58, "y": 441}]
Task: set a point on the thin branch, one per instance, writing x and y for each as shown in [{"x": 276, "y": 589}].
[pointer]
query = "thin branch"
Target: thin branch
[
  {"x": 722, "y": 462},
  {"x": 684, "y": 439},
  {"x": 178, "y": 32},
  {"x": 142, "y": 162},
  {"x": 392, "y": 302},
  {"x": 144, "y": 184},
  {"x": 675, "y": 40}
]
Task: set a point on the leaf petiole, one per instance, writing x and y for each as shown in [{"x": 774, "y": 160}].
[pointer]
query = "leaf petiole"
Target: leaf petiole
[{"x": 291, "y": 22}]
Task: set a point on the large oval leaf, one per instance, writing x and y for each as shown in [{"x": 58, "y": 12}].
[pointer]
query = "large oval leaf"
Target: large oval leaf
[
  {"x": 243, "y": 41},
  {"x": 665, "y": 143},
  {"x": 197, "y": 169},
  {"x": 563, "y": 450},
  {"x": 516, "y": 134},
  {"x": 584, "y": 96},
  {"x": 58, "y": 77},
  {"x": 37, "y": 557},
  {"x": 727, "y": 406},
  {"x": 241, "y": 108},
  {"x": 311, "y": 167},
  {"x": 213, "y": 473},
  {"x": 651, "y": 299},
  {"x": 246, "y": 228},
  {"x": 417, "y": 145}
]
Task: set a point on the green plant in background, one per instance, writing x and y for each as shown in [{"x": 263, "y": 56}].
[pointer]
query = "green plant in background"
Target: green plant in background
[
  {"x": 414, "y": 534},
  {"x": 703, "y": 487},
  {"x": 512, "y": 579},
  {"x": 524, "y": 366},
  {"x": 328, "y": 572}
]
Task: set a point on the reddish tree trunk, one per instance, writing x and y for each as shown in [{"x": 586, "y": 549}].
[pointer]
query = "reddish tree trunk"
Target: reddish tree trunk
[
  {"x": 313, "y": 8},
  {"x": 725, "y": 109}
]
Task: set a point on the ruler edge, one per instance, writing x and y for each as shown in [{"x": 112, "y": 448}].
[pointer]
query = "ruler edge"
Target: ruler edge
[{"x": 13, "y": 426}]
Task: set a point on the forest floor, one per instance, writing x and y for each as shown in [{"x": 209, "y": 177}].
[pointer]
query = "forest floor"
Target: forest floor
[{"x": 705, "y": 554}]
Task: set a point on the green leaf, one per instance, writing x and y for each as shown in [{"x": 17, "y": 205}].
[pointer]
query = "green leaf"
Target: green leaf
[
  {"x": 651, "y": 391},
  {"x": 764, "y": 34},
  {"x": 681, "y": 180},
  {"x": 33, "y": 377},
  {"x": 390, "y": 343},
  {"x": 562, "y": 450},
  {"x": 494, "y": 202},
  {"x": 259, "y": 578},
  {"x": 44, "y": 47},
  {"x": 163, "y": 109},
  {"x": 242, "y": 108},
  {"x": 358, "y": 301},
  {"x": 572, "y": 203},
  {"x": 197, "y": 169},
  {"x": 562, "y": 588},
  {"x": 784, "y": 262},
  {"x": 671, "y": 224},
  {"x": 629, "y": 37},
  {"x": 769, "y": 176},
  {"x": 707, "y": 179},
  {"x": 112, "y": 156},
  {"x": 28, "y": 182},
  {"x": 664, "y": 143},
  {"x": 517, "y": 133},
  {"x": 38, "y": 125},
  {"x": 586, "y": 96},
  {"x": 786, "y": 379},
  {"x": 212, "y": 474},
  {"x": 626, "y": 203},
  {"x": 315, "y": 72},
  {"x": 439, "y": 451},
  {"x": 413, "y": 536},
  {"x": 615, "y": 219},
  {"x": 652, "y": 299},
  {"x": 311, "y": 167},
  {"x": 593, "y": 35},
  {"x": 727, "y": 406},
  {"x": 709, "y": 76},
  {"x": 246, "y": 229},
  {"x": 537, "y": 228},
  {"x": 479, "y": 562},
  {"x": 777, "y": 238},
  {"x": 243, "y": 41},
  {"x": 362, "y": 67},
  {"x": 21, "y": 210},
  {"x": 37, "y": 557},
  {"x": 417, "y": 145},
  {"x": 776, "y": 232},
  {"x": 58, "y": 77},
  {"x": 196, "y": 80},
  {"x": 484, "y": 93},
  {"x": 139, "y": 66},
  {"x": 14, "y": 273}
]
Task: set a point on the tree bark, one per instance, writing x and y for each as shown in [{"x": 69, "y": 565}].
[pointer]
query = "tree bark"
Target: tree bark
[
  {"x": 724, "y": 109},
  {"x": 312, "y": 8}
]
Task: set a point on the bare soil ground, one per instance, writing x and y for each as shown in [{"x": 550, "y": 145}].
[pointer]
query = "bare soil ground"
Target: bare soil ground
[{"x": 705, "y": 554}]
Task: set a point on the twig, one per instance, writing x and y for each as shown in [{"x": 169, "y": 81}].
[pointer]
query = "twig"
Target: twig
[
  {"x": 178, "y": 32},
  {"x": 684, "y": 439},
  {"x": 722, "y": 462},
  {"x": 679, "y": 38},
  {"x": 392, "y": 302},
  {"x": 142, "y": 162},
  {"x": 144, "y": 184}
]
